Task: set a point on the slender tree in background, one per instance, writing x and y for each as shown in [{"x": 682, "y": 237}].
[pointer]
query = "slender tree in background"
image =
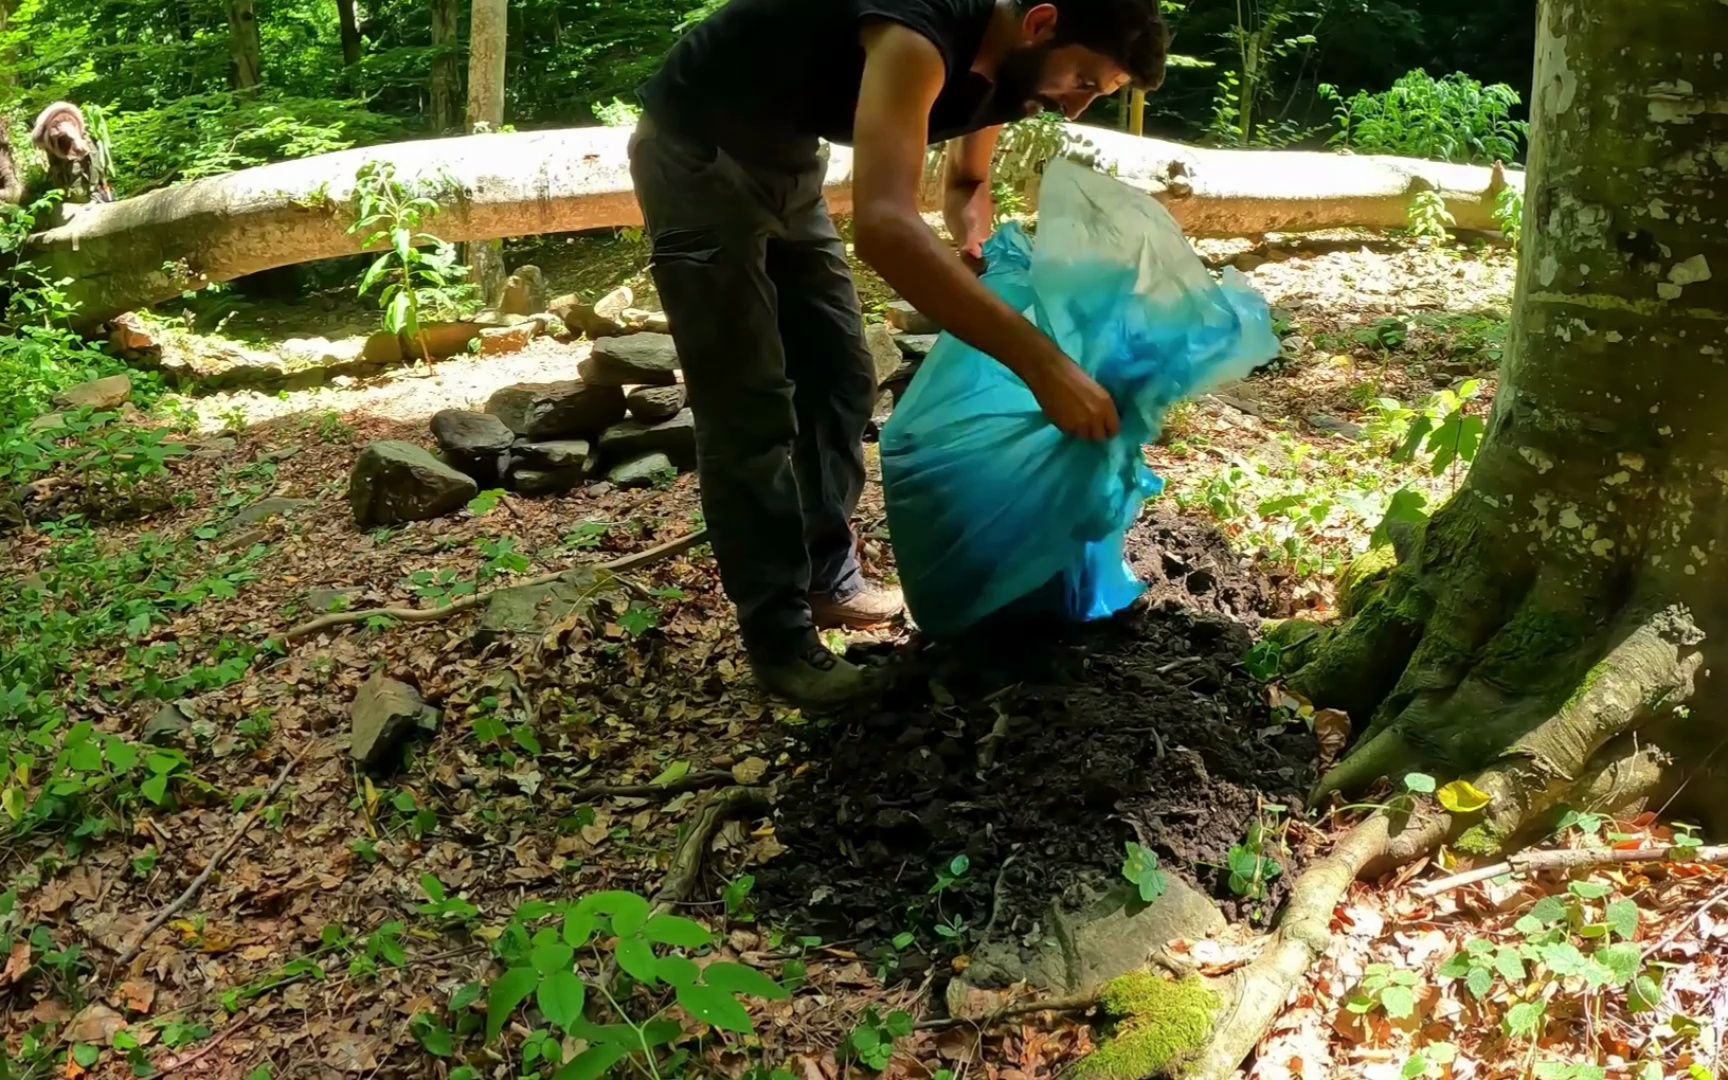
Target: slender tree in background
[
  {"x": 1555, "y": 628},
  {"x": 446, "y": 75},
  {"x": 487, "y": 29},
  {"x": 350, "y": 30},
  {"x": 245, "y": 50}
]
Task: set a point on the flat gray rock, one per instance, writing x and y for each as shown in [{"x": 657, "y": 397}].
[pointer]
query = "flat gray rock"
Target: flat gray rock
[
  {"x": 100, "y": 394},
  {"x": 582, "y": 596},
  {"x": 644, "y": 471},
  {"x": 631, "y": 360},
  {"x": 385, "y": 713},
  {"x": 907, "y": 319},
  {"x": 555, "y": 454},
  {"x": 676, "y": 438},
  {"x": 545, "y": 481},
  {"x": 884, "y": 352},
  {"x": 655, "y": 404},
  {"x": 916, "y": 346},
  {"x": 395, "y": 482},
  {"x": 265, "y": 509},
  {"x": 571, "y": 409},
  {"x": 1097, "y": 937}
]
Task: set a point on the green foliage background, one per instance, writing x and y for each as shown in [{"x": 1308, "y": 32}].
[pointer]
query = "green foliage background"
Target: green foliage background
[{"x": 160, "y": 69}]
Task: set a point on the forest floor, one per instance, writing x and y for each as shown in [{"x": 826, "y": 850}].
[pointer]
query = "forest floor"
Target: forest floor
[{"x": 353, "y": 926}]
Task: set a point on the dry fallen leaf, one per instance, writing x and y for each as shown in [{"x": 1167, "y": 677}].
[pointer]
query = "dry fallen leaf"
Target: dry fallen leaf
[
  {"x": 16, "y": 964},
  {"x": 750, "y": 771},
  {"x": 1332, "y": 733},
  {"x": 136, "y": 995},
  {"x": 96, "y": 1024}
]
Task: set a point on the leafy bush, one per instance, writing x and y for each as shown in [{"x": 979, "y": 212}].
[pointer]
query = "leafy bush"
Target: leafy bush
[
  {"x": 1451, "y": 119},
  {"x": 39, "y": 354},
  {"x": 210, "y": 134},
  {"x": 418, "y": 271}
]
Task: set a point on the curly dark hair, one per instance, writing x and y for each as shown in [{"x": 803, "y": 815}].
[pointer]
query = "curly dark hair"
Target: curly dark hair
[{"x": 1130, "y": 32}]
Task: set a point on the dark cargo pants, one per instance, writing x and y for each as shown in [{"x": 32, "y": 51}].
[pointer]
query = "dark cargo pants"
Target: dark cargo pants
[{"x": 754, "y": 280}]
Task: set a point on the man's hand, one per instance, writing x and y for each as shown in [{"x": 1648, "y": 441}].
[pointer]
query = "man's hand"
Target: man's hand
[
  {"x": 1074, "y": 402},
  {"x": 903, "y": 75},
  {"x": 967, "y": 204}
]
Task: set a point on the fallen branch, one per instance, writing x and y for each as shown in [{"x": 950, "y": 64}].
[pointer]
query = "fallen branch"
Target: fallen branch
[
  {"x": 649, "y": 557},
  {"x": 203, "y": 878},
  {"x": 685, "y": 871},
  {"x": 1532, "y": 862},
  {"x": 698, "y": 781},
  {"x": 1255, "y": 994}
]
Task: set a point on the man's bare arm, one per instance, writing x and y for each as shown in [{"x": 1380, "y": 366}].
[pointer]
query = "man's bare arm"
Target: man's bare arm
[
  {"x": 903, "y": 74},
  {"x": 967, "y": 204}
]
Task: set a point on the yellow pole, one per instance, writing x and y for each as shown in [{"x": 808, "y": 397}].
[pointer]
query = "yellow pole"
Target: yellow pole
[{"x": 1137, "y": 113}]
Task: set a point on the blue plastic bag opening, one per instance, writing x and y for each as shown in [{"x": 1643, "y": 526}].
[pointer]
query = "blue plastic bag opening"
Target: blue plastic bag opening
[{"x": 990, "y": 507}]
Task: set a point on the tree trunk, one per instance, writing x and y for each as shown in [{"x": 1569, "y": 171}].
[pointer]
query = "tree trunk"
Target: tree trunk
[
  {"x": 244, "y": 48},
  {"x": 1550, "y": 633},
  {"x": 446, "y": 97},
  {"x": 350, "y": 45},
  {"x": 1558, "y": 617},
  {"x": 487, "y": 29},
  {"x": 155, "y": 246}
]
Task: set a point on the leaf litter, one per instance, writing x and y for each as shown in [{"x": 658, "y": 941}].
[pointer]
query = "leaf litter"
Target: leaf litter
[{"x": 353, "y": 904}]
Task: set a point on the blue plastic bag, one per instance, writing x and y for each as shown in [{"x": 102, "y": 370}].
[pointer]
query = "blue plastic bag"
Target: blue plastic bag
[{"x": 993, "y": 509}]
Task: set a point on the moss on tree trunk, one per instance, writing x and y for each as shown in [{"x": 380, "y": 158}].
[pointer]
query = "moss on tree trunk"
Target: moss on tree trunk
[{"x": 1556, "y": 621}]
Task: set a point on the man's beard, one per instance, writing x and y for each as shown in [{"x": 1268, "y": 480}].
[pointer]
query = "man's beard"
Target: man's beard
[{"x": 1019, "y": 77}]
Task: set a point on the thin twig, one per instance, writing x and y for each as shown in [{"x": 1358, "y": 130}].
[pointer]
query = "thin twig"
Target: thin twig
[
  {"x": 640, "y": 559},
  {"x": 996, "y": 897},
  {"x": 1530, "y": 862},
  {"x": 697, "y": 781},
  {"x": 203, "y": 878},
  {"x": 207, "y": 1049},
  {"x": 1683, "y": 925}
]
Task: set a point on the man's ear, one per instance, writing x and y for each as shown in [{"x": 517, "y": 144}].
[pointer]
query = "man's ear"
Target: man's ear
[{"x": 1038, "y": 25}]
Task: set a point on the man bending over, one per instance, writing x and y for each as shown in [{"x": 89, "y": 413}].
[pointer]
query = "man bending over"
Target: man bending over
[{"x": 728, "y": 169}]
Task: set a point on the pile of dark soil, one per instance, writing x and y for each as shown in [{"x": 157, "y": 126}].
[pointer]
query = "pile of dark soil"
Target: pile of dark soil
[{"x": 1038, "y": 753}]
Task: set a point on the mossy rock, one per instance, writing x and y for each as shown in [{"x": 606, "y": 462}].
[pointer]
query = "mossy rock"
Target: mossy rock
[
  {"x": 1364, "y": 577},
  {"x": 1160, "y": 1023},
  {"x": 1298, "y": 641}
]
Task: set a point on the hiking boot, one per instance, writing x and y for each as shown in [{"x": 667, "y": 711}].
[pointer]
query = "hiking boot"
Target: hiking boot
[
  {"x": 813, "y": 676},
  {"x": 866, "y": 609}
]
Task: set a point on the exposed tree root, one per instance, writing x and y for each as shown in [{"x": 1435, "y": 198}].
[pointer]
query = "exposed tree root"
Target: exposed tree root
[
  {"x": 685, "y": 871},
  {"x": 1082, "y": 1003},
  {"x": 696, "y": 781},
  {"x": 1254, "y": 996},
  {"x": 649, "y": 557}
]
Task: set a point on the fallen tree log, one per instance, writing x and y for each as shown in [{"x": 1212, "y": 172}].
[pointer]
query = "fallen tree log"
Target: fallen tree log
[{"x": 153, "y": 247}]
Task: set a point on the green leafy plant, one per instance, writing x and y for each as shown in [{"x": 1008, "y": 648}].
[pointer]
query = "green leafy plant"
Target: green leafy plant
[
  {"x": 1509, "y": 214},
  {"x": 871, "y": 1043},
  {"x": 1388, "y": 989},
  {"x": 1141, "y": 870},
  {"x": 951, "y": 874},
  {"x": 1444, "y": 430},
  {"x": 1251, "y": 868},
  {"x": 617, "y": 113},
  {"x": 1430, "y": 221},
  {"x": 418, "y": 273},
  {"x": 653, "y": 950},
  {"x": 1454, "y": 118}
]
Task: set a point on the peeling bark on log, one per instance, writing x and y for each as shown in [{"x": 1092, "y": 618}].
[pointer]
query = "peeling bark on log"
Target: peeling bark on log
[{"x": 153, "y": 247}]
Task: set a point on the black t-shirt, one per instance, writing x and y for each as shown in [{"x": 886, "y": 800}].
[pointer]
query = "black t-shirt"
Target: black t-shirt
[{"x": 764, "y": 79}]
